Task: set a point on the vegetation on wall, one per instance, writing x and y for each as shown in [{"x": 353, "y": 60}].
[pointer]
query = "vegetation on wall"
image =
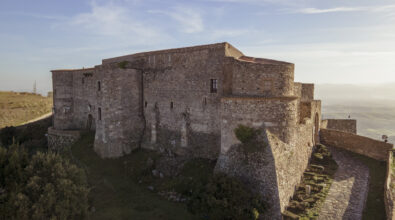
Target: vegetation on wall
[
  {"x": 42, "y": 186},
  {"x": 249, "y": 137},
  {"x": 123, "y": 64}
]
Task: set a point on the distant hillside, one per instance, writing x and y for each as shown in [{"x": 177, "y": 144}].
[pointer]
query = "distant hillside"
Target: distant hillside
[
  {"x": 372, "y": 105},
  {"x": 18, "y": 107}
]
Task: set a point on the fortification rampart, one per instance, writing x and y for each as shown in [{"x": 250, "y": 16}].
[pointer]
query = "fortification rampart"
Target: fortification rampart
[
  {"x": 61, "y": 139},
  {"x": 389, "y": 188},
  {"x": 346, "y": 125},
  {"x": 362, "y": 145}
]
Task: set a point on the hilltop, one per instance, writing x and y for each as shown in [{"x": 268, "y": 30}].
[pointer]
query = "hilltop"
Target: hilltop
[{"x": 19, "y": 107}]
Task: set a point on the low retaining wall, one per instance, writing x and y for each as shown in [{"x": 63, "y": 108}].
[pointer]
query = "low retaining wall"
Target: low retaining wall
[
  {"x": 346, "y": 125},
  {"x": 362, "y": 145},
  {"x": 59, "y": 139},
  {"x": 389, "y": 193}
]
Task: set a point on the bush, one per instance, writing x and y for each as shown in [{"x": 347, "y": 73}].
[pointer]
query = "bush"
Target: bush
[
  {"x": 123, "y": 64},
  {"x": 225, "y": 198},
  {"x": 245, "y": 134},
  {"x": 7, "y": 135},
  {"x": 44, "y": 186}
]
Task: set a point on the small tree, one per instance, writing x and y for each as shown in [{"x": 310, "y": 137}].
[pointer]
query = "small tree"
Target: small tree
[
  {"x": 44, "y": 186},
  {"x": 245, "y": 134}
]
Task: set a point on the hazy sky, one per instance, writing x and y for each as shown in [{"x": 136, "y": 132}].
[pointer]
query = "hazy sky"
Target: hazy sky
[{"x": 336, "y": 41}]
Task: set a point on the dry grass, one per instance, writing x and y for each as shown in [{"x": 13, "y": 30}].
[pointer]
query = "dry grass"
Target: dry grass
[{"x": 17, "y": 108}]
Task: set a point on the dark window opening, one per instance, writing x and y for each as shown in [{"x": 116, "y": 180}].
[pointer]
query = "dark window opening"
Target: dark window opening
[
  {"x": 145, "y": 104},
  {"x": 98, "y": 86},
  {"x": 213, "y": 86},
  {"x": 171, "y": 105},
  {"x": 99, "y": 113}
]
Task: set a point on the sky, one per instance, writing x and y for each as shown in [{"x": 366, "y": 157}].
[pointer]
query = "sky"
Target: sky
[{"x": 336, "y": 41}]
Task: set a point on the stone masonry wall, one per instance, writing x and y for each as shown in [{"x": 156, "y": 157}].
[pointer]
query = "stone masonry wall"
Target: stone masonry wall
[
  {"x": 389, "y": 188},
  {"x": 58, "y": 140},
  {"x": 260, "y": 79},
  {"x": 120, "y": 126},
  {"x": 181, "y": 111},
  {"x": 275, "y": 173},
  {"x": 62, "y": 82},
  {"x": 85, "y": 96},
  {"x": 346, "y": 125},
  {"x": 362, "y": 145},
  {"x": 277, "y": 115}
]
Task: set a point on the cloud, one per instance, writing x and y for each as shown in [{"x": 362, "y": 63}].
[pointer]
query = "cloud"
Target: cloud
[
  {"x": 115, "y": 21},
  {"x": 385, "y": 8},
  {"x": 190, "y": 20},
  {"x": 109, "y": 20},
  {"x": 329, "y": 10}
]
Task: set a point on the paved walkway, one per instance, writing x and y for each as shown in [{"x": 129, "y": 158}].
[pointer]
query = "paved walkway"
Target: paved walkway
[{"x": 347, "y": 195}]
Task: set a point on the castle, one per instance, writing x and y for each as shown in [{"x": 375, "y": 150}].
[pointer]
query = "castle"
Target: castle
[{"x": 190, "y": 100}]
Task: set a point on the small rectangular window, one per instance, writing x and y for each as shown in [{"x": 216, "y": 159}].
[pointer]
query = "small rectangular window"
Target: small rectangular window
[
  {"x": 99, "y": 113},
  {"x": 213, "y": 85},
  {"x": 98, "y": 86},
  {"x": 171, "y": 105},
  {"x": 145, "y": 104}
]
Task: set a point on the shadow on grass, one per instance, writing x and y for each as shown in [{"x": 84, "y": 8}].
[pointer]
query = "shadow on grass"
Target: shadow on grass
[{"x": 114, "y": 194}]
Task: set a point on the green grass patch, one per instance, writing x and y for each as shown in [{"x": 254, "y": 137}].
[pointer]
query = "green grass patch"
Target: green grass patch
[{"x": 114, "y": 192}]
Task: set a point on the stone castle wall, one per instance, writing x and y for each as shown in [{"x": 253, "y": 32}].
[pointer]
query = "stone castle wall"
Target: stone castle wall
[
  {"x": 58, "y": 140},
  {"x": 389, "y": 191},
  {"x": 119, "y": 125},
  {"x": 346, "y": 125},
  {"x": 276, "y": 172},
  {"x": 180, "y": 110},
  {"x": 167, "y": 99},
  {"x": 362, "y": 145},
  {"x": 260, "y": 79}
]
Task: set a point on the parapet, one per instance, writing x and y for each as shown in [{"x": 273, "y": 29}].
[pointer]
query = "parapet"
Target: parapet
[{"x": 345, "y": 125}]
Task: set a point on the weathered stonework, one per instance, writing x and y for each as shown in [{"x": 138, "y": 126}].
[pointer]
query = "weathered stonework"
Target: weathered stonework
[
  {"x": 60, "y": 139},
  {"x": 346, "y": 125},
  {"x": 189, "y": 101},
  {"x": 358, "y": 144},
  {"x": 389, "y": 188}
]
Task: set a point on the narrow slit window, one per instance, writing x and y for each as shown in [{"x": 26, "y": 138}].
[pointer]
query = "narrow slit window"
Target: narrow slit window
[
  {"x": 99, "y": 113},
  {"x": 213, "y": 85},
  {"x": 205, "y": 101},
  {"x": 145, "y": 104},
  {"x": 171, "y": 105},
  {"x": 98, "y": 86}
]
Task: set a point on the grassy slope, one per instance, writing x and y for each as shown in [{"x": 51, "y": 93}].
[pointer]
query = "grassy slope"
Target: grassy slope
[
  {"x": 114, "y": 193},
  {"x": 16, "y": 108}
]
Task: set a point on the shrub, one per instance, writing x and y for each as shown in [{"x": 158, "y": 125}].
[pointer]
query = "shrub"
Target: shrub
[
  {"x": 123, "y": 64},
  {"x": 7, "y": 135},
  {"x": 225, "y": 198},
  {"x": 44, "y": 186},
  {"x": 245, "y": 134}
]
